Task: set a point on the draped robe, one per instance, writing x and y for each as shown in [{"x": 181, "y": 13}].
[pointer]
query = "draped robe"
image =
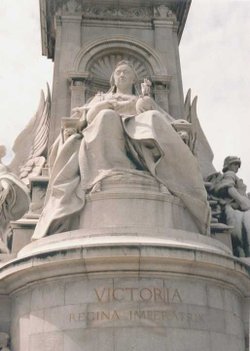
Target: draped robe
[{"x": 120, "y": 140}]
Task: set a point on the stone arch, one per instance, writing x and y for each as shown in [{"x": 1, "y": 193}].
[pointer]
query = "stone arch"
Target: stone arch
[
  {"x": 95, "y": 62},
  {"x": 123, "y": 45}
]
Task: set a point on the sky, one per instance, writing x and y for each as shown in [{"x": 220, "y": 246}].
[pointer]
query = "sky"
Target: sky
[{"x": 215, "y": 59}]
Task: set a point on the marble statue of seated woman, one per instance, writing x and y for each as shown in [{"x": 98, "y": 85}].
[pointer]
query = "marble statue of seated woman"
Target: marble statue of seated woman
[{"x": 121, "y": 130}]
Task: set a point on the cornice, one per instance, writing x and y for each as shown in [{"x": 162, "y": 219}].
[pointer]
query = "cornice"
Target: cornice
[{"x": 173, "y": 10}]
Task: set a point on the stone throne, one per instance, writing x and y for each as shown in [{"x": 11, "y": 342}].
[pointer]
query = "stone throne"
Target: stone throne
[{"x": 137, "y": 275}]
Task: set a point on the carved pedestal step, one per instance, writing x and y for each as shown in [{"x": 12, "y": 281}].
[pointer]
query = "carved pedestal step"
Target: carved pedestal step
[
  {"x": 222, "y": 232},
  {"x": 6, "y": 257},
  {"x": 134, "y": 200}
]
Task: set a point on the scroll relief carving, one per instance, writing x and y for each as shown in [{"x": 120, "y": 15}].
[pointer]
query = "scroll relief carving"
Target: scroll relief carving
[
  {"x": 163, "y": 11},
  {"x": 74, "y": 6},
  {"x": 71, "y": 6},
  {"x": 138, "y": 12}
]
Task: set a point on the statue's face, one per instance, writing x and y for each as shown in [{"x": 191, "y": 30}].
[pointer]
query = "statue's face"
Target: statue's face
[
  {"x": 234, "y": 167},
  {"x": 124, "y": 77}
]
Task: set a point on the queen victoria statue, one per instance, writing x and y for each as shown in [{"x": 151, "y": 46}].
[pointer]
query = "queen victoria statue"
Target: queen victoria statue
[
  {"x": 118, "y": 247},
  {"x": 119, "y": 132}
]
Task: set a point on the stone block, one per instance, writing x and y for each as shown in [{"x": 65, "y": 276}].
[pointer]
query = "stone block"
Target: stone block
[
  {"x": 22, "y": 232},
  {"x": 195, "y": 340},
  {"x": 46, "y": 342},
  {"x": 226, "y": 342},
  {"x": 215, "y": 297},
  {"x": 84, "y": 290},
  {"x": 89, "y": 340},
  {"x": 5, "y": 313}
]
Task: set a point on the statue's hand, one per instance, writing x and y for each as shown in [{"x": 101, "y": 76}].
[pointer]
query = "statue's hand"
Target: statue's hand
[
  {"x": 77, "y": 112},
  {"x": 82, "y": 124},
  {"x": 99, "y": 106},
  {"x": 112, "y": 104},
  {"x": 144, "y": 103},
  {"x": 245, "y": 204},
  {"x": 242, "y": 201}
]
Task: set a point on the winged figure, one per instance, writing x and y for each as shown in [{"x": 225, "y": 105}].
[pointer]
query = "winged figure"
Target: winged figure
[
  {"x": 30, "y": 147},
  {"x": 198, "y": 142}
]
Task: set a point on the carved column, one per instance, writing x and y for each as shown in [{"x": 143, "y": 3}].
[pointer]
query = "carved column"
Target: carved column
[
  {"x": 165, "y": 29},
  {"x": 161, "y": 92},
  {"x": 161, "y": 85},
  {"x": 78, "y": 89}
]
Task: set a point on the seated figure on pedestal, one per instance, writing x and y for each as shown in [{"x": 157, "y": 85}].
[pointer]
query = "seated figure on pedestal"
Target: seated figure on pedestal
[
  {"x": 231, "y": 189},
  {"x": 120, "y": 131}
]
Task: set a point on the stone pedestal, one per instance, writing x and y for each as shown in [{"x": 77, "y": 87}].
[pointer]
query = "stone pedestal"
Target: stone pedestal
[
  {"x": 136, "y": 276},
  {"x": 135, "y": 200},
  {"x": 90, "y": 289}
]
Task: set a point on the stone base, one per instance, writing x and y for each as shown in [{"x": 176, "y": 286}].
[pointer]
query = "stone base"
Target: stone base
[
  {"x": 134, "y": 200},
  {"x": 90, "y": 290}
]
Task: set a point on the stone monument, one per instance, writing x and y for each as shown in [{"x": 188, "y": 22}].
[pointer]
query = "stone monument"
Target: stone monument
[{"x": 118, "y": 254}]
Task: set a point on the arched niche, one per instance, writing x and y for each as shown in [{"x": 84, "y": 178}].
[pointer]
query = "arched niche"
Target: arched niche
[{"x": 95, "y": 62}]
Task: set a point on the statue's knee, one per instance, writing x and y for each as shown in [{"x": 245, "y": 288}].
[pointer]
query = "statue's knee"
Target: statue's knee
[
  {"x": 107, "y": 113},
  {"x": 107, "y": 116},
  {"x": 108, "y": 120}
]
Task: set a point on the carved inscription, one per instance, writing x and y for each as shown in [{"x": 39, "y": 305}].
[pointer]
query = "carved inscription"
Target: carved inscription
[
  {"x": 136, "y": 315},
  {"x": 166, "y": 295},
  {"x": 162, "y": 306}
]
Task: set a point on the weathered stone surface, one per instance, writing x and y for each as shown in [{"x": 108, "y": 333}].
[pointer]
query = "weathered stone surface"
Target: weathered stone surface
[{"x": 94, "y": 298}]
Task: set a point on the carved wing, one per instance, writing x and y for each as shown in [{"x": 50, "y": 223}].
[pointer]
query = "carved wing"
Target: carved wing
[
  {"x": 30, "y": 147},
  {"x": 201, "y": 147}
]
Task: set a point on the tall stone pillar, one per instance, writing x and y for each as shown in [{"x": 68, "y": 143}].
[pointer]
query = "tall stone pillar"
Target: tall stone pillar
[
  {"x": 166, "y": 42},
  {"x": 161, "y": 92}
]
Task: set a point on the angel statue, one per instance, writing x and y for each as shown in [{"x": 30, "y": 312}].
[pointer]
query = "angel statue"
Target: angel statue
[
  {"x": 118, "y": 131},
  {"x": 14, "y": 199}
]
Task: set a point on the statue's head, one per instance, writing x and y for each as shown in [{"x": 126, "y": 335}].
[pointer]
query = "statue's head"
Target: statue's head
[
  {"x": 124, "y": 75},
  {"x": 231, "y": 163}
]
